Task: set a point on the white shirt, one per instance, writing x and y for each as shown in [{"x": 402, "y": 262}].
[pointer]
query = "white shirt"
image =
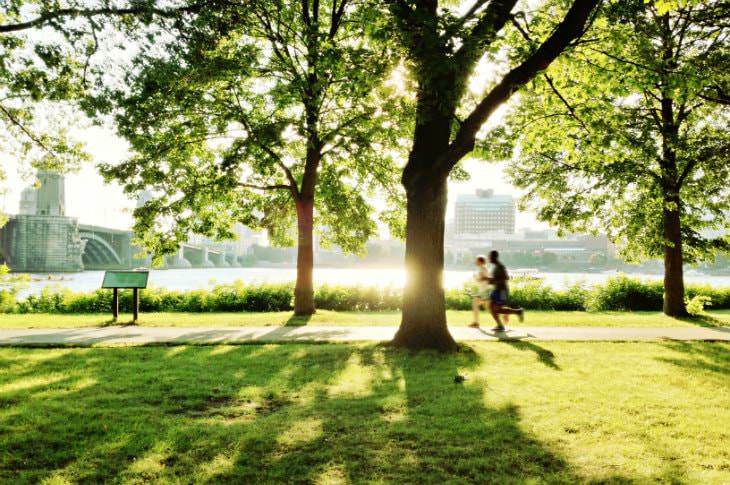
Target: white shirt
[{"x": 480, "y": 275}]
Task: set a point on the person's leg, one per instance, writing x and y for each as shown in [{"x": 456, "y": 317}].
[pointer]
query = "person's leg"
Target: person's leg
[
  {"x": 475, "y": 304},
  {"x": 504, "y": 310},
  {"x": 494, "y": 309}
]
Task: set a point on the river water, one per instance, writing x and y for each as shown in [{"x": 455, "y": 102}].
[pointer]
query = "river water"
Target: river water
[{"x": 187, "y": 279}]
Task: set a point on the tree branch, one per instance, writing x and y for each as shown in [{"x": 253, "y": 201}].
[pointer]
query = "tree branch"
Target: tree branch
[
  {"x": 484, "y": 32},
  {"x": 265, "y": 187},
  {"x": 15, "y": 121},
  {"x": 565, "y": 101},
  {"x": 569, "y": 29},
  {"x": 48, "y": 17}
]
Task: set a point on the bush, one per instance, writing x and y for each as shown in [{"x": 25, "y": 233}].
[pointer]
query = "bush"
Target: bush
[
  {"x": 696, "y": 305},
  {"x": 360, "y": 298},
  {"x": 619, "y": 293},
  {"x": 720, "y": 296},
  {"x": 628, "y": 294}
]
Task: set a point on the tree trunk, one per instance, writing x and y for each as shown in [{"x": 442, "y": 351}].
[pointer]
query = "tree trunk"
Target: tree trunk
[
  {"x": 673, "y": 271},
  {"x": 423, "y": 323},
  {"x": 304, "y": 289}
]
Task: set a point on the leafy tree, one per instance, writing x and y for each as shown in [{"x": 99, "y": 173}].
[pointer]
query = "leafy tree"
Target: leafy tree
[
  {"x": 445, "y": 45},
  {"x": 628, "y": 135},
  {"x": 266, "y": 114},
  {"x": 45, "y": 62}
]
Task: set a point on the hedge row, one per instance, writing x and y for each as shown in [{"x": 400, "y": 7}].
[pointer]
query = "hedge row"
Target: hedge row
[{"x": 619, "y": 293}]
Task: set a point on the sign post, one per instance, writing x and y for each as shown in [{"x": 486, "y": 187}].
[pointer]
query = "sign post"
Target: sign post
[{"x": 134, "y": 280}]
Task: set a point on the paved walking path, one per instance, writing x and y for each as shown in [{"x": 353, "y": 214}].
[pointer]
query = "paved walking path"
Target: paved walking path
[{"x": 312, "y": 333}]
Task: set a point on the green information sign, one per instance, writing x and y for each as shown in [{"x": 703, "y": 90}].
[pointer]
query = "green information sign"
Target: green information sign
[{"x": 125, "y": 279}]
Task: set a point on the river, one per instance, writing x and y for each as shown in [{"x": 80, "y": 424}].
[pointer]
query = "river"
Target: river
[{"x": 187, "y": 279}]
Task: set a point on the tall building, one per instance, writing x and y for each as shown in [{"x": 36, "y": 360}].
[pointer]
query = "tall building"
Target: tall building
[{"x": 484, "y": 212}]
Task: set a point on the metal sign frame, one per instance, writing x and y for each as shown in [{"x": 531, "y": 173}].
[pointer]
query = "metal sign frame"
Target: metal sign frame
[{"x": 120, "y": 280}]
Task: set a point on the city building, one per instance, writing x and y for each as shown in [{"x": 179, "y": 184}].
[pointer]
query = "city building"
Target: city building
[{"x": 484, "y": 213}]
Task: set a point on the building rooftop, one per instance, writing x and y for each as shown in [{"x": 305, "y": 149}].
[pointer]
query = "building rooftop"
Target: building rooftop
[{"x": 484, "y": 199}]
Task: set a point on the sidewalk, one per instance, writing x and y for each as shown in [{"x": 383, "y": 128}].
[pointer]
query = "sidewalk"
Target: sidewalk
[{"x": 133, "y": 335}]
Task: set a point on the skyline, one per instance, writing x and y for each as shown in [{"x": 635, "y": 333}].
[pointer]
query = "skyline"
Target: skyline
[{"x": 111, "y": 207}]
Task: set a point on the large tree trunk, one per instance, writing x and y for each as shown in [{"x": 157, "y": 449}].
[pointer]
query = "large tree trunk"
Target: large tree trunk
[
  {"x": 304, "y": 289},
  {"x": 673, "y": 271},
  {"x": 423, "y": 323}
]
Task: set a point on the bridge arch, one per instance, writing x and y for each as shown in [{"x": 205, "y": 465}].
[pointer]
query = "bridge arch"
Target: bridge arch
[{"x": 98, "y": 251}]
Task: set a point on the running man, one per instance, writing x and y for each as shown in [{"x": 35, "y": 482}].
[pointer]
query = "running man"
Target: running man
[{"x": 499, "y": 296}]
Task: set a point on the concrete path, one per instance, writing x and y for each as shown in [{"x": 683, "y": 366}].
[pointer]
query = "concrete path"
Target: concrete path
[{"x": 134, "y": 335}]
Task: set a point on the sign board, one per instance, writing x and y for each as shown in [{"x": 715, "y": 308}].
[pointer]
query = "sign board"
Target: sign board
[{"x": 125, "y": 279}]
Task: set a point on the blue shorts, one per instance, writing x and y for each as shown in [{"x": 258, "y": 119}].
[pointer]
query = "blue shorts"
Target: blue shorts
[{"x": 499, "y": 297}]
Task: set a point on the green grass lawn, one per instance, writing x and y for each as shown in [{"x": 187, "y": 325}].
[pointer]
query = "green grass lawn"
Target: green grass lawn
[
  {"x": 324, "y": 317},
  {"x": 326, "y": 414}
]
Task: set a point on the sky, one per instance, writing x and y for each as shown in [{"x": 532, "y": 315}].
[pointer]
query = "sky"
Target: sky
[{"x": 92, "y": 201}]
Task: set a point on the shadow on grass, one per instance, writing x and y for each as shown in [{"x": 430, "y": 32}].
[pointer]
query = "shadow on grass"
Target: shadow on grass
[
  {"x": 262, "y": 414},
  {"x": 704, "y": 356},
  {"x": 298, "y": 320},
  {"x": 704, "y": 320},
  {"x": 543, "y": 355}
]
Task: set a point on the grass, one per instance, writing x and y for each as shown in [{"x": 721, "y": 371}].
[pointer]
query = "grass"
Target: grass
[
  {"x": 328, "y": 414},
  {"x": 324, "y": 317}
]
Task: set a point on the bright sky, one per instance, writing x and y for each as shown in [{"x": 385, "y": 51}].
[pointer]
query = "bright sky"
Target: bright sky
[{"x": 92, "y": 201}]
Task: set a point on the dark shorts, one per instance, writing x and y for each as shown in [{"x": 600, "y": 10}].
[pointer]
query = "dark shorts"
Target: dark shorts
[{"x": 499, "y": 297}]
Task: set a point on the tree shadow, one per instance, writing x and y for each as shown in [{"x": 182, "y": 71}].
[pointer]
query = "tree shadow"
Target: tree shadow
[
  {"x": 543, "y": 355},
  {"x": 266, "y": 414},
  {"x": 298, "y": 320},
  {"x": 705, "y": 356},
  {"x": 704, "y": 320}
]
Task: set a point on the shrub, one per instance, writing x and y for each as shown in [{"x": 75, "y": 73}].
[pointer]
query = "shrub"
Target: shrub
[
  {"x": 624, "y": 293},
  {"x": 696, "y": 305},
  {"x": 720, "y": 296},
  {"x": 619, "y": 293},
  {"x": 356, "y": 298}
]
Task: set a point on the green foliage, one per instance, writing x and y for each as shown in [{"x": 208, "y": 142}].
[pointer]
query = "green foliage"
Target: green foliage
[
  {"x": 617, "y": 294},
  {"x": 620, "y": 132},
  {"x": 626, "y": 294},
  {"x": 719, "y": 296},
  {"x": 254, "y": 114},
  {"x": 696, "y": 305},
  {"x": 360, "y": 298},
  {"x": 10, "y": 285},
  {"x": 236, "y": 297}
]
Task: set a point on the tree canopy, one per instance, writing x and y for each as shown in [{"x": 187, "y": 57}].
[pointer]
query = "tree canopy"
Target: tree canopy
[
  {"x": 628, "y": 130},
  {"x": 446, "y": 45},
  {"x": 269, "y": 115},
  {"x": 46, "y": 65}
]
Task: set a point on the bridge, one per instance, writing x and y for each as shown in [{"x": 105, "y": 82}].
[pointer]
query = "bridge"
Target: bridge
[
  {"x": 49, "y": 244},
  {"x": 42, "y": 239}
]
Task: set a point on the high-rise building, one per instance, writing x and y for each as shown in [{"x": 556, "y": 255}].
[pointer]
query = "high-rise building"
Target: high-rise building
[{"x": 484, "y": 212}]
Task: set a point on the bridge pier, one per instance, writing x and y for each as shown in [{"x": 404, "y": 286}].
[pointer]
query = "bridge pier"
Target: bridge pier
[
  {"x": 232, "y": 260},
  {"x": 42, "y": 243},
  {"x": 178, "y": 261}
]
